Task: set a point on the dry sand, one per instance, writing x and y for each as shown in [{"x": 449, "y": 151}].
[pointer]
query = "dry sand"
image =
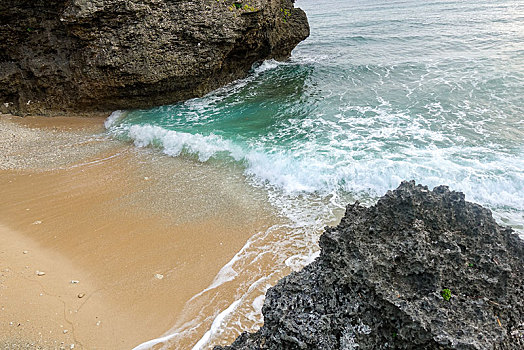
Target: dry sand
[{"x": 140, "y": 232}]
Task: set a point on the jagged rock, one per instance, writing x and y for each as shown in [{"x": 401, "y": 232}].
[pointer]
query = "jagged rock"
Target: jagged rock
[
  {"x": 93, "y": 56},
  {"x": 378, "y": 281}
]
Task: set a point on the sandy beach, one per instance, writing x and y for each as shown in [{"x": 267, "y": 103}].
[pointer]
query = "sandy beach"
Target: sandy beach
[{"x": 102, "y": 244}]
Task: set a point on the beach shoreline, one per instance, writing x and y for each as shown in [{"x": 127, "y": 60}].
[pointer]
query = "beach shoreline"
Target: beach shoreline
[{"x": 102, "y": 244}]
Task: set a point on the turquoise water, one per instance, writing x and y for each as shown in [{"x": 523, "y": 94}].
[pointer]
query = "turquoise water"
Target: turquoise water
[{"x": 382, "y": 91}]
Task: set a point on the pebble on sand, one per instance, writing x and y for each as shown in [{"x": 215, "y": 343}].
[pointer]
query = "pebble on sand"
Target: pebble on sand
[
  {"x": 39, "y": 273},
  {"x": 159, "y": 276}
]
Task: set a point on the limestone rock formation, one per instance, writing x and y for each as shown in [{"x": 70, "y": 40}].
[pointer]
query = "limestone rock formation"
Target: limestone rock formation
[
  {"x": 91, "y": 56},
  {"x": 419, "y": 270}
]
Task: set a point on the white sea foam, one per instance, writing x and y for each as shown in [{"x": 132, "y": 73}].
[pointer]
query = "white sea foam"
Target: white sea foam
[
  {"x": 173, "y": 143},
  {"x": 497, "y": 181},
  {"x": 149, "y": 344},
  {"x": 215, "y": 326},
  {"x": 113, "y": 118},
  {"x": 227, "y": 272},
  {"x": 224, "y": 320},
  {"x": 258, "y": 303},
  {"x": 272, "y": 245},
  {"x": 267, "y": 65},
  {"x": 298, "y": 261}
]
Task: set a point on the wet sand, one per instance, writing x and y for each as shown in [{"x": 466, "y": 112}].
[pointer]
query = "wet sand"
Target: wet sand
[{"x": 141, "y": 233}]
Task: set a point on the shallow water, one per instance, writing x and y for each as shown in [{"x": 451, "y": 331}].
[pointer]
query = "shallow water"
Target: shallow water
[{"x": 382, "y": 91}]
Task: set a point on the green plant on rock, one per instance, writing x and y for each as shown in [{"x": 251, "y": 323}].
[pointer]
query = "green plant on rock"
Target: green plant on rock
[
  {"x": 286, "y": 13},
  {"x": 446, "y": 294},
  {"x": 241, "y": 6}
]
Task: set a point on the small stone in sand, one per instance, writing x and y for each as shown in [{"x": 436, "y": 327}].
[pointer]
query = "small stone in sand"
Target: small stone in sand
[
  {"x": 146, "y": 178},
  {"x": 81, "y": 295},
  {"x": 37, "y": 222},
  {"x": 98, "y": 323},
  {"x": 159, "y": 276},
  {"x": 25, "y": 251},
  {"x": 74, "y": 281},
  {"x": 65, "y": 331},
  {"x": 39, "y": 273}
]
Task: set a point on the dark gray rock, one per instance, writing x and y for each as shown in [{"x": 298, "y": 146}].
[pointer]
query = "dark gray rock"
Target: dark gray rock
[
  {"x": 91, "y": 56},
  {"x": 379, "y": 279}
]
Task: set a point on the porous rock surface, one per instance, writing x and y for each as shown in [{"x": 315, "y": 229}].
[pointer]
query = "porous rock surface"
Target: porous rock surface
[
  {"x": 378, "y": 281},
  {"x": 89, "y": 56}
]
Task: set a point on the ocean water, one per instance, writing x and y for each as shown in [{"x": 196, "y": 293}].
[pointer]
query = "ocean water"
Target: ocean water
[{"x": 382, "y": 91}]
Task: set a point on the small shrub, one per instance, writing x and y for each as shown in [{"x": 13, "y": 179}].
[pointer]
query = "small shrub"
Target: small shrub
[{"x": 446, "y": 294}]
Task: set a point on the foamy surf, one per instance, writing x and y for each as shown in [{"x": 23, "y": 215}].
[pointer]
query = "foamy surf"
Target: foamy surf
[
  {"x": 113, "y": 118},
  {"x": 263, "y": 260},
  {"x": 496, "y": 181}
]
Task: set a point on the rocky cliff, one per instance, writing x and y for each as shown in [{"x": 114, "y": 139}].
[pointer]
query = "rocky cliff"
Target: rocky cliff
[
  {"x": 91, "y": 56},
  {"x": 419, "y": 270}
]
